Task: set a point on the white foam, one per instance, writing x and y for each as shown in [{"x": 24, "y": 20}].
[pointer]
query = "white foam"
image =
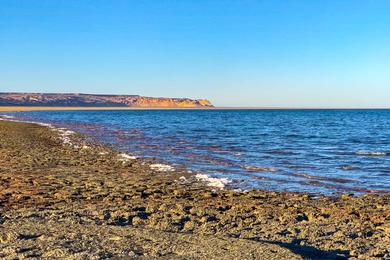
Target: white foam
[
  {"x": 183, "y": 180},
  {"x": 162, "y": 167},
  {"x": 124, "y": 157},
  {"x": 258, "y": 169},
  {"x": 213, "y": 182},
  {"x": 64, "y": 133},
  {"x": 371, "y": 153},
  {"x": 43, "y": 124},
  {"x": 65, "y": 136},
  {"x": 11, "y": 119},
  {"x": 2, "y": 117}
]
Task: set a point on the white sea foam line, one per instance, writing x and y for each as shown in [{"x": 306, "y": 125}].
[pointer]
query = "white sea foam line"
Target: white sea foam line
[
  {"x": 162, "y": 167},
  {"x": 2, "y": 117},
  {"x": 41, "y": 124},
  {"x": 10, "y": 118},
  {"x": 371, "y": 153},
  {"x": 63, "y": 132},
  {"x": 213, "y": 182},
  {"x": 65, "y": 136},
  {"x": 124, "y": 157}
]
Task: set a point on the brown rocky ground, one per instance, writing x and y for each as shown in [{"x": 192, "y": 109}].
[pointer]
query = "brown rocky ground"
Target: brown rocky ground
[{"x": 60, "y": 201}]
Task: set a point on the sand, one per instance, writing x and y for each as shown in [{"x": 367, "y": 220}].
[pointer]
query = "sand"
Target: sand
[{"x": 83, "y": 200}]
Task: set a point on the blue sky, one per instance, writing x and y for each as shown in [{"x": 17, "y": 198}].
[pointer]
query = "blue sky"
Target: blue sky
[{"x": 236, "y": 53}]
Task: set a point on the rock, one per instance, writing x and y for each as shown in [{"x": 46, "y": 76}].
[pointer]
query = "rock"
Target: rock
[
  {"x": 136, "y": 221},
  {"x": 5, "y": 237},
  {"x": 208, "y": 218},
  {"x": 189, "y": 226},
  {"x": 301, "y": 217},
  {"x": 115, "y": 238}
]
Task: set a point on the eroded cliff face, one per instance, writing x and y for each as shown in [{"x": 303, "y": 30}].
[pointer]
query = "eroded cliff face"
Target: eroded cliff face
[
  {"x": 168, "y": 102},
  {"x": 42, "y": 99}
]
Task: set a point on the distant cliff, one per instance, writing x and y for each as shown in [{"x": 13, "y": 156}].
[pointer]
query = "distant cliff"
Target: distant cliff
[{"x": 83, "y": 100}]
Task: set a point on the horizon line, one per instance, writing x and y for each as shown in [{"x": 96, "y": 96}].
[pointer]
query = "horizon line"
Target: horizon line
[{"x": 75, "y": 108}]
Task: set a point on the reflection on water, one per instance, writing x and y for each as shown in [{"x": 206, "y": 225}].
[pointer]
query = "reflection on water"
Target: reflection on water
[{"x": 323, "y": 151}]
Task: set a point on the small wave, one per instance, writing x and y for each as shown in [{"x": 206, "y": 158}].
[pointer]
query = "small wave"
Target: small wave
[
  {"x": 348, "y": 168},
  {"x": 371, "y": 153},
  {"x": 124, "y": 157},
  {"x": 261, "y": 178},
  {"x": 162, "y": 167},
  {"x": 213, "y": 182},
  {"x": 2, "y": 117},
  {"x": 331, "y": 179},
  {"x": 258, "y": 169},
  {"x": 343, "y": 187}
]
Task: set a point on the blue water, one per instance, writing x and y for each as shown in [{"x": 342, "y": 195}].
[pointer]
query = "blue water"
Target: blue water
[{"x": 317, "y": 151}]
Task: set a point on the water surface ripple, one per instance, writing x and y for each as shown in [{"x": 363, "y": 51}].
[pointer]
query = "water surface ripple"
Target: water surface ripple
[{"x": 317, "y": 151}]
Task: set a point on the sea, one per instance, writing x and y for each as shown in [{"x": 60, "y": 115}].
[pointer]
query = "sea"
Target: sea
[{"x": 316, "y": 151}]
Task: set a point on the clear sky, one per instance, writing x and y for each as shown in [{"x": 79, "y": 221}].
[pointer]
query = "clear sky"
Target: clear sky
[{"x": 283, "y": 53}]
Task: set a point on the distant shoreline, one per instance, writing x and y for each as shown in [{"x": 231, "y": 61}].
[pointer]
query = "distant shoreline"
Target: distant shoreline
[
  {"x": 43, "y": 108},
  {"x": 59, "y": 108}
]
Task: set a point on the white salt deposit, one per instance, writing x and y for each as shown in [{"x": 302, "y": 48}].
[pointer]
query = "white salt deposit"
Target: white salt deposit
[
  {"x": 162, "y": 167},
  {"x": 213, "y": 182}
]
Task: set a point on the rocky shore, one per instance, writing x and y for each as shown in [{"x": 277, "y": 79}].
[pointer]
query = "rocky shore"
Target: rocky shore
[{"x": 62, "y": 196}]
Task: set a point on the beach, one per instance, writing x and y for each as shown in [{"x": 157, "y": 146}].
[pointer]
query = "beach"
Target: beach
[{"x": 62, "y": 195}]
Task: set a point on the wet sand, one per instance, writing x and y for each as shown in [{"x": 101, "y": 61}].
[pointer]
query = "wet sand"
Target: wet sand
[{"x": 83, "y": 200}]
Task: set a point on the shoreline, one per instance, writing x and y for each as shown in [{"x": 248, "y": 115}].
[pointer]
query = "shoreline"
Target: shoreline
[
  {"x": 54, "y": 108},
  {"x": 124, "y": 157},
  {"x": 224, "y": 182},
  {"x": 60, "y": 177},
  {"x": 209, "y": 181}
]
